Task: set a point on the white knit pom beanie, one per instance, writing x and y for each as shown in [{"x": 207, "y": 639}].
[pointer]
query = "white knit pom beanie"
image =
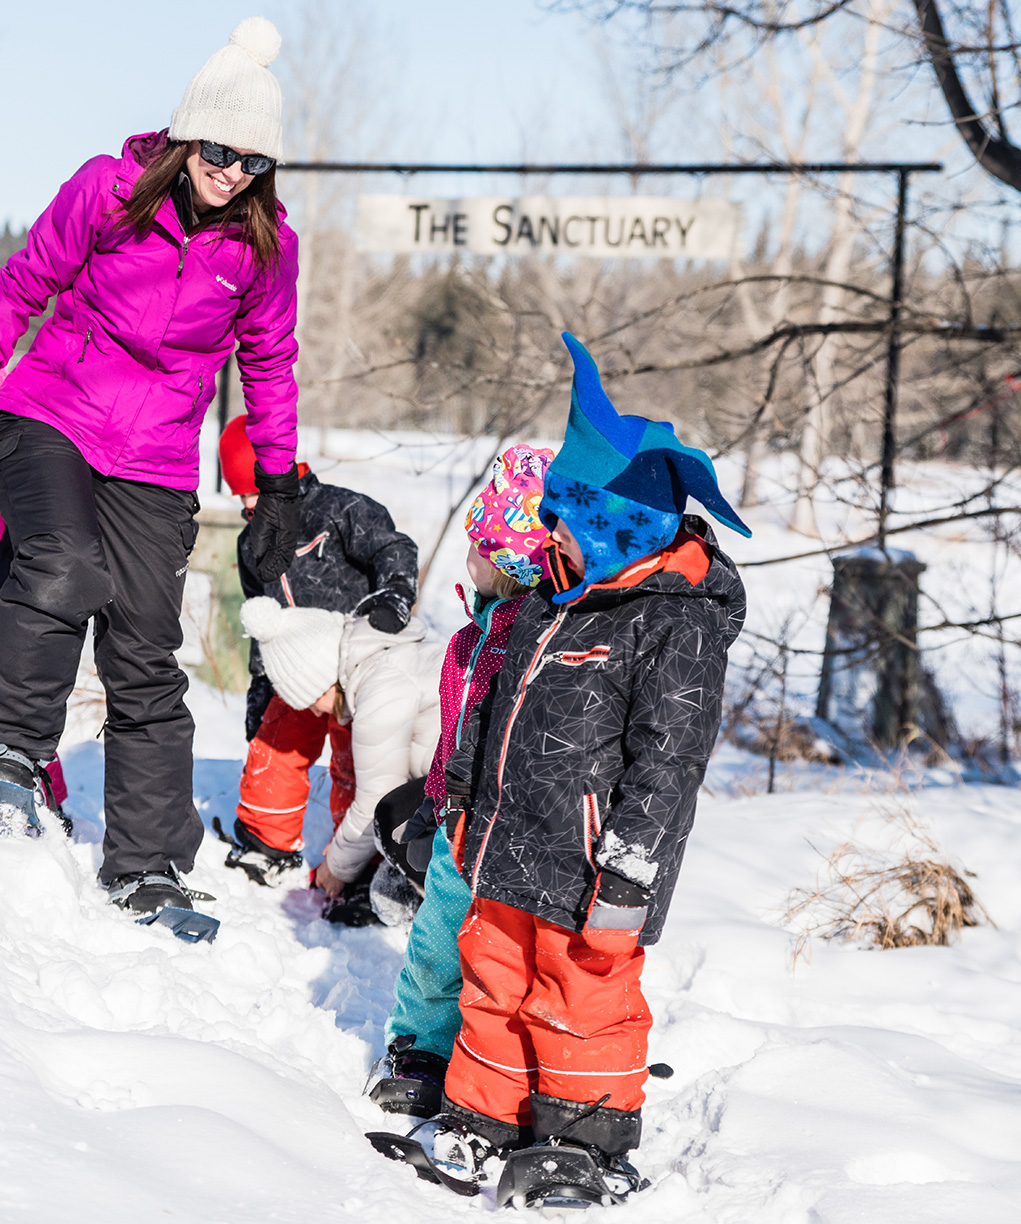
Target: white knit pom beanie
[
  {"x": 233, "y": 99},
  {"x": 300, "y": 648}
]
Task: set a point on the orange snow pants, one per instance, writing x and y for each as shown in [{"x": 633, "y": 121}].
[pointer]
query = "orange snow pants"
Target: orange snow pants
[
  {"x": 543, "y": 1011},
  {"x": 275, "y": 786}
]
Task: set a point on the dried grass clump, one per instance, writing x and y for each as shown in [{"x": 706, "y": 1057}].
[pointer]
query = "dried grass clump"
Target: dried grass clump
[
  {"x": 900, "y": 897},
  {"x": 787, "y": 739}
]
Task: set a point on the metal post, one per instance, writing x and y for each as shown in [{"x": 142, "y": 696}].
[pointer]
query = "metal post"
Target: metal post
[
  {"x": 893, "y": 358},
  {"x": 222, "y": 404}
]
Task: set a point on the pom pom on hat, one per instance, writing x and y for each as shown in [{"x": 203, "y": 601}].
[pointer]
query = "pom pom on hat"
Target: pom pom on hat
[
  {"x": 300, "y": 648},
  {"x": 234, "y": 99},
  {"x": 261, "y": 618},
  {"x": 258, "y": 38}
]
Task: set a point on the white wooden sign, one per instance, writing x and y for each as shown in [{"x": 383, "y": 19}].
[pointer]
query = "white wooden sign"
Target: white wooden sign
[{"x": 604, "y": 227}]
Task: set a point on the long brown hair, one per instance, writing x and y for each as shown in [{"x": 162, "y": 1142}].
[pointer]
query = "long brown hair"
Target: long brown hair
[{"x": 255, "y": 208}]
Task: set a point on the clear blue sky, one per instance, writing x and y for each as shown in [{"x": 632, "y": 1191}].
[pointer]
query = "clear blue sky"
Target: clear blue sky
[
  {"x": 465, "y": 78},
  {"x": 491, "y": 80}
]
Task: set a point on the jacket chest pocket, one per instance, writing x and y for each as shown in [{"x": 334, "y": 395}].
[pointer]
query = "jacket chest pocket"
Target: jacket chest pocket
[{"x": 581, "y": 658}]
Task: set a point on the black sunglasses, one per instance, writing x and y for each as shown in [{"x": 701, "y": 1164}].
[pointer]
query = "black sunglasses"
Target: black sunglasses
[{"x": 224, "y": 156}]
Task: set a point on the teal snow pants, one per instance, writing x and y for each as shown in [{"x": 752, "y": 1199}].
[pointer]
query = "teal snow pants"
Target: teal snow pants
[{"x": 428, "y": 987}]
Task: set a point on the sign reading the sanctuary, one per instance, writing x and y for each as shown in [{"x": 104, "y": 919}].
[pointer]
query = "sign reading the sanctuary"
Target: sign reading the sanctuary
[{"x": 599, "y": 226}]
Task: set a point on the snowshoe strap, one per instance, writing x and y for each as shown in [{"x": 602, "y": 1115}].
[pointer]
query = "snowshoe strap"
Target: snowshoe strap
[
  {"x": 223, "y": 835},
  {"x": 586, "y": 1113},
  {"x": 157, "y": 877},
  {"x": 19, "y": 758}
]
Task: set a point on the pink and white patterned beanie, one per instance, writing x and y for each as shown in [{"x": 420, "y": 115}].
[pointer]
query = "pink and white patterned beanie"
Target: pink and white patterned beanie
[{"x": 504, "y": 519}]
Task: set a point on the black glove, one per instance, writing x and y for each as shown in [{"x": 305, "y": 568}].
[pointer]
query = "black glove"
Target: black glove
[
  {"x": 418, "y": 833},
  {"x": 619, "y": 906},
  {"x": 388, "y": 610},
  {"x": 458, "y": 802},
  {"x": 273, "y": 532},
  {"x": 260, "y": 694}
]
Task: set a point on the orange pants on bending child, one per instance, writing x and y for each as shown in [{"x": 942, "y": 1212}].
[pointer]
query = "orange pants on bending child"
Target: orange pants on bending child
[
  {"x": 542, "y": 1011},
  {"x": 275, "y": 786}
]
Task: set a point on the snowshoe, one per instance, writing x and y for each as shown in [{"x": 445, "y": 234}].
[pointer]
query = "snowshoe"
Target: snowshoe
[
  {"x": 160, "y": 897},
  {"x": 261, "y": 863},
  {"x": 444, "y": 1150},
  {"x": 555, "y": 1177},
  {"x": 187, "y": 924},
  {"x": 353, "y": 907},
  {"x": 407, "y": 1081},
  {"x": 25, "y": 793}
]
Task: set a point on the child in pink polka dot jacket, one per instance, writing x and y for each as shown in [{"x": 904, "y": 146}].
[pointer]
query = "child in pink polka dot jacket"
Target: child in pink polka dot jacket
[{"x": 505, "y": 561}]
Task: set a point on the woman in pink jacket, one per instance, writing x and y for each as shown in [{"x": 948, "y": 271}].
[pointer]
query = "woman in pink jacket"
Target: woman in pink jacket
[{"x": 161, "y": 261}]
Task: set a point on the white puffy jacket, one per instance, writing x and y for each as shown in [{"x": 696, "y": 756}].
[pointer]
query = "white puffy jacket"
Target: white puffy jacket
[{"x": 391, "y": 694}]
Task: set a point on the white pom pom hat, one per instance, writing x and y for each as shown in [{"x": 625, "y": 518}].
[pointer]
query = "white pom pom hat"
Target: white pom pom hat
[
  {"x": 300, "y": 648},
  {"x": 234, "y": 99}
]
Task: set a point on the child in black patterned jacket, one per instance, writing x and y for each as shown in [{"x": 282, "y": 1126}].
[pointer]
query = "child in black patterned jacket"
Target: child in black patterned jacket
[{"x": 576, "y": 806}]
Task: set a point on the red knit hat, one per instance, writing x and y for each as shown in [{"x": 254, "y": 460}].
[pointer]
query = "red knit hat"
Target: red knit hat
[{"x": 237, "y": 457}]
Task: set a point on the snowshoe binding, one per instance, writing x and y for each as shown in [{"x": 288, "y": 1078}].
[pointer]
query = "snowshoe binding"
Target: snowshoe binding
[
  {"x": 160, "y": 897},
  {"x": 25, "y": 794},
  {"x": 556, "y": 1177},
  {"x": 261, "y": 863},
  {"x": 407, "y": 1081},
  {"x": 444, "y": 1150}
]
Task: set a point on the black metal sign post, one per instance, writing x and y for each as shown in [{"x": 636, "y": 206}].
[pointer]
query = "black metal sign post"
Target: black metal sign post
[
  {"x": 637, "y": 169},
  {"x": 892, "y": 359}
]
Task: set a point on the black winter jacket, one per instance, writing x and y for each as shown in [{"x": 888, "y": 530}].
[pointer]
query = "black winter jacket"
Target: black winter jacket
[
  {"x": 348, "y": 547},
  {"x": 595, "y": 741}
]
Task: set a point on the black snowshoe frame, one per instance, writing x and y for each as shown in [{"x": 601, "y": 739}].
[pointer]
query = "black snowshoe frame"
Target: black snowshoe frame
[
  {"x": 189, "y": 925},
  {"x": 559, "y": 1176},
  {"x": 264, "y": 875},
  {"x": 408, "y": 1150},
  {"x": 409, "y": 1094}
]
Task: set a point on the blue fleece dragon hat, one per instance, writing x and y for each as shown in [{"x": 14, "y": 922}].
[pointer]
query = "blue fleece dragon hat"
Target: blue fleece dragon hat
[{"x": 620, "y": 482}]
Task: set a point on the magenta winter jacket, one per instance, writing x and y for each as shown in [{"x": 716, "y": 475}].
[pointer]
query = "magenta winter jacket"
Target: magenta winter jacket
[{"x": 126, "y": 366}]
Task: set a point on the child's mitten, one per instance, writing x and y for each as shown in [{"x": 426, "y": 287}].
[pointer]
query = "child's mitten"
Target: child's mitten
[
  {"x": 616, "y": 914},
  {"x": 417, "y": 834},
  {"x": 389, "y": 609}
]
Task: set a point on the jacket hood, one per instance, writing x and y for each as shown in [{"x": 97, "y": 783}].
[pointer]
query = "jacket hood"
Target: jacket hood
[
  {"x": 360, "y": 643},
  {"x": 145, "y": 147},
  {"x": 721, "y": 585}
]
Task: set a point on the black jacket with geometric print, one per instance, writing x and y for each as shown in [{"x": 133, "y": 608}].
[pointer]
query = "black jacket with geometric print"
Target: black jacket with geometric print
[{"x": 591, "y": 748}]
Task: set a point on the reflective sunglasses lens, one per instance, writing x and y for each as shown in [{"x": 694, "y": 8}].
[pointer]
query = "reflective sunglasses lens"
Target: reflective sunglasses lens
[
  {"x": 217, "y": 154},
  {"x": 256, "y": 164},
  {"x": 223, "y": 156}
]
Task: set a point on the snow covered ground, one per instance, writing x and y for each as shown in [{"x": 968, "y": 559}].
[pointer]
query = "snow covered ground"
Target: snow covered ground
[{"x": 144, "y": 1079}]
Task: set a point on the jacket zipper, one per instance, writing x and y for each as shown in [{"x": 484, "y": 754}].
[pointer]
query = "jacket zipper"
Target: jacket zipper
[
  {"x": 184, "y": 251},
  {"x": 470, "y": 669},
  {"x": 195, "y": 401},
  {"x": 319, "y": 541},
  {"x": 593, "y": 825},
  {"x": 85, "y": 344},
  {"x": 530, "y": 672}
]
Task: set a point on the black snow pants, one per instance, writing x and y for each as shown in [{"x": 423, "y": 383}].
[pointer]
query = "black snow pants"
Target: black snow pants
[{"x": 86, "y": 545}]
